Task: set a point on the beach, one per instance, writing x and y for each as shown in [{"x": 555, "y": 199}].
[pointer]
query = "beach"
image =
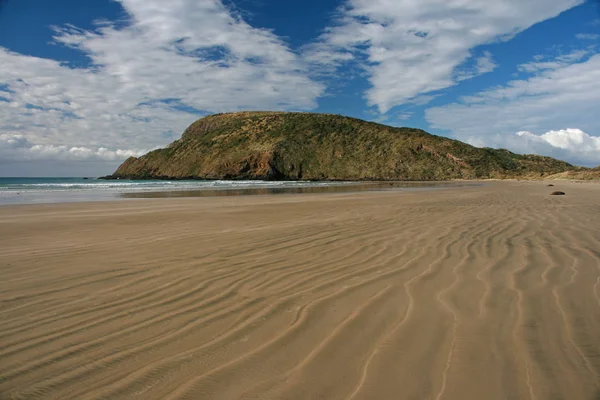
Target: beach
[{"x": 475, "y": 292}]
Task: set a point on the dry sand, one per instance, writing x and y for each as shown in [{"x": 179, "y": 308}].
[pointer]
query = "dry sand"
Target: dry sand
[{"x": 474, "y": 293}]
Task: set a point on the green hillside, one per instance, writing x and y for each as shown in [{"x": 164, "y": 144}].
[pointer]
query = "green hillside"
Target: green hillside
[{"x": 276, "y": 145}]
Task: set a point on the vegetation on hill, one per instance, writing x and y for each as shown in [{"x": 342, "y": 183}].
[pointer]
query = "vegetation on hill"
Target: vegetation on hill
[
  {"x": 582, "y": 174},
  {"x": 308, "y": 146}
]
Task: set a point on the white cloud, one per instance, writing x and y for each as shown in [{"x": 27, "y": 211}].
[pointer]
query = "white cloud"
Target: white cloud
[
  {"x": 557, "y": 62},
  {"x": 150, "y": 79},
  {"x": 587, "y": 36},
  {"x": 483, "y": 65},
  {"x": 568, "y": 139},
  {"x": 556, "y": 95},
  {"x": 568, "y": 144},
  {"x": 413, "y": 47},
  {"x": 19, "y": 148},
  {"x": 405, "y": 115}
]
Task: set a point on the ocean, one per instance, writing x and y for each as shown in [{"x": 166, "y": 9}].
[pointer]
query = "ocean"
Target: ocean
[
  {"x": 63, "y": 190},
  {"x": 59, "y": 190}
]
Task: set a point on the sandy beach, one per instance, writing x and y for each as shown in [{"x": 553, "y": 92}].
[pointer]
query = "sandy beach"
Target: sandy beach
[{"x": 489, "y": 292}]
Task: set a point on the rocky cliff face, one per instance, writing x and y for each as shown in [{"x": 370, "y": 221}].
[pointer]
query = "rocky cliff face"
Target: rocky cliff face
[{"x": 275, "y": 145}]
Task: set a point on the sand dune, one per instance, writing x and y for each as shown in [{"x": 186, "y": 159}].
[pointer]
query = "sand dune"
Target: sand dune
[{"x": 486, "y": 292}]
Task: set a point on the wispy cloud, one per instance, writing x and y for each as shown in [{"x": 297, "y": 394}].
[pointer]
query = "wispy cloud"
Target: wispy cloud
[
  {"x": 171, "y": 62},
  {"x": 587, "y": 36},
  {"x": 553, "y": 63},
  {"x": 415, "y": 47},
  {"x": 483, "y": 65},
  {"x": 557, "y": 95}
]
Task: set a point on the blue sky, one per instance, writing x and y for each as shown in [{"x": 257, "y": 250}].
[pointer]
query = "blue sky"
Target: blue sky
[{"x": 84, "y": 85}]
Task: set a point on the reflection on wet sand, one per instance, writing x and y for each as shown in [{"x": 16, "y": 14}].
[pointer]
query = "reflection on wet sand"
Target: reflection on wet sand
[{"x": 333, "y": 188}]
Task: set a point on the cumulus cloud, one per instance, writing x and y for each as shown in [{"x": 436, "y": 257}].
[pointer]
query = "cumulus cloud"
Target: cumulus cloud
[
  {"x": 19, "y": 148},
  {"x": 556, "y": 95},
  {"x": 414, "y": 47},
  {"x": 171, "y": 63},
  {"x": 568, "y": 139},
  {"x": 569, "y": 144}
]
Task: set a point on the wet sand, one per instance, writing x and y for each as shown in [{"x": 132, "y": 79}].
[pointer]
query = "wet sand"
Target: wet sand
[
  {"x": 327, "y": 188},
  {"x": 489, "y": 292}
]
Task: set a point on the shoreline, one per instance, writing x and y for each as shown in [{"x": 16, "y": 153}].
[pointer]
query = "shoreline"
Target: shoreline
[
  {"x": 86, "y": 190},
  {"x": 92, "y": 194}
]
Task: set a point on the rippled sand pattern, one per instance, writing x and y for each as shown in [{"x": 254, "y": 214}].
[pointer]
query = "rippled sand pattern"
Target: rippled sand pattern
[{"x": 474, "y": 293}]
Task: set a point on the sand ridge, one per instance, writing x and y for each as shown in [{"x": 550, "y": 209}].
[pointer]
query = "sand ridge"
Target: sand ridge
[{"x": 463, "y": 293}]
